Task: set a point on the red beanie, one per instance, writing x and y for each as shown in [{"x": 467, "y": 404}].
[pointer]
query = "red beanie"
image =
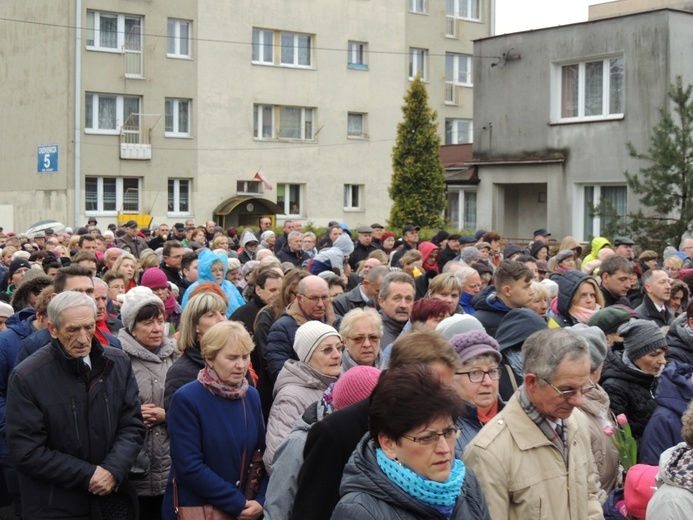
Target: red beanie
[
  {"x": 154, "y": 278},
  {"x": 639, "y": 488}
]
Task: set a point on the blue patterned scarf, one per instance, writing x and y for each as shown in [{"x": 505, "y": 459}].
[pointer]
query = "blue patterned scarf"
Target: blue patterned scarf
[{"x": 441, "y": 496}]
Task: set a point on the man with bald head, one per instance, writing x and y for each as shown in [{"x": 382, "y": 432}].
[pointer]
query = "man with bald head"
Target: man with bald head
[{"x": 312, "y": 303}]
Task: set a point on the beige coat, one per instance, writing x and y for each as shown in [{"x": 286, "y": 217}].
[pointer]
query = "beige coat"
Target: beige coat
[
  {"x": 150, "y": 372},
  {"x": 596, "y": 409},
  {"x": 523, "y": 474}
]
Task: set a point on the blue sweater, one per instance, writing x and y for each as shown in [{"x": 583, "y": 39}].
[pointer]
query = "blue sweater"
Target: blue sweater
[{"x": 208, "y": 436}]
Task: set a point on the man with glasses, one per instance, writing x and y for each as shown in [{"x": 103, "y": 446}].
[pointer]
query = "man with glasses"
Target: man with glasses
[
  {"x": 534, "y": 459},
  {"x": 364, "y": 294},
  {"x": 312, "y": 303}
]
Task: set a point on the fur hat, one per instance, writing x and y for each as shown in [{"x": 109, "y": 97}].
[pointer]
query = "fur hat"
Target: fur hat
[
  {"x": 355, "y": 385},
  {"x": 309, "y": 336},
  {"x": 135, "y": 299}
]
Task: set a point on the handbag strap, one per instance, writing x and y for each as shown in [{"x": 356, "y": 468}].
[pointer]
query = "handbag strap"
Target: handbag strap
[
  {"x": 175, "y": 493},
  {"x": 245, "y": 448},
  {"x": 513, "y": 381}
]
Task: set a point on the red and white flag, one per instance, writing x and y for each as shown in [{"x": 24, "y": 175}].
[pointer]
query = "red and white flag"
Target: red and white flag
[{"x": 261, "y": 177}]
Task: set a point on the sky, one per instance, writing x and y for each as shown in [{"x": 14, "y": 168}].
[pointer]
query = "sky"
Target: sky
[{"x": 522, "y": 15}]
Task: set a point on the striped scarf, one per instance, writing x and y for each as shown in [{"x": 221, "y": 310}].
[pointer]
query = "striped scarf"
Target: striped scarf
[{"x": 542, "y": 423}]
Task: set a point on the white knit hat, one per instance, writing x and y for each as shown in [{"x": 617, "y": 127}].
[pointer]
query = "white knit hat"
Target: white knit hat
[
  {"x": 6, "y": 310},
  {"x": 135, "y": 299},
  {"x": 309, "y": 336}
]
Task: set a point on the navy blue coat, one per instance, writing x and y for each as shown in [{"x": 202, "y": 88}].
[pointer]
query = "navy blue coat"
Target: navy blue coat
[
  {"x": 490, "y": 311},
  {"x": 18, "y": 328},
  {"x": 43, "y": 337},
  {"x": 674, "y": 393},
  {"x": 208, "y": 435},
  {"x": 280, "y": 344}
]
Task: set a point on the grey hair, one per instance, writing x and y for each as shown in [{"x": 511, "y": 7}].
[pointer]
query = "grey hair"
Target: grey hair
[
  {"x": 683, "y": 243},
  {"x": 67, "y": 300},
  {"x": 646, "y": 277},
  {"x": 464, "y": 273},
  {"x": 377, "y": 273},
  {"x": 454, "y": 264},
  {"x": 355, "y": 316},
  {"x": 294, "y": 234},
  {"x": 544, "y": 350},
  {"x": 97, "y": 280},
  {"x": 395, "y": 277}
]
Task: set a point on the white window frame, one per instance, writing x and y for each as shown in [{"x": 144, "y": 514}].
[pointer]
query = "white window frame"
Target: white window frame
[
  {"x": 262, "y": 35},
  {"x": 119, "y": 192},
  {"x": 418, "y": 61},
  {"x": 364, "y": 125},
  {"x": 177, "y": 39},
  {"x": 176, "y": 104},
  {"x": 243, "y": 188},
  {"x": 94, "y": 33},
  {"x": 120, "y": 117},
  {"x": 557, "y": 91},
  {"x": 464, "y": 9},
  {"x": 453, "y": 75},
  {"x": 287, "y": 199},
  {"x": 348, "y": 200},
  {"x": 296, "y": 50},
  {"x": 307, "y": 120},
  {"x": 455, "y": 122},
  {"x": 358, "y": 55},
  {"x": 176, "y": 211},
  {"x": 461, "y": 192},
  {"x": 580, "y": 209},
  {"x": 418, "y": 6}
]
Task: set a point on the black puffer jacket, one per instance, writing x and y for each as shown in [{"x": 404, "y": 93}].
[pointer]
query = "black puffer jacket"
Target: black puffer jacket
[
  {"x": 631, "y": 391},
  {"x": 680, "y": 343},
  {"x": 368, "y": 493},
  {"x": 63, "y": 421}
]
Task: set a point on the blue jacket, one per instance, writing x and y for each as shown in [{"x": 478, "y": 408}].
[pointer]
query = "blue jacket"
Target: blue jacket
[
  {"x": 470, "y": 424},
  {"x": 204, "y": 270},
  {"x": 663, "y": 430},
  {"x": 18, "y": 328},
  {"x": 208, "y": 436},
  {"x": 280, "y": 344},
  {"x": 43, "y": 337},
  {"x": 490, "y": 310}
]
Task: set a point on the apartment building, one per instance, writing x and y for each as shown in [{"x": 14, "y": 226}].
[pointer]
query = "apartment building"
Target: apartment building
[{"x": 221, "y": 110}]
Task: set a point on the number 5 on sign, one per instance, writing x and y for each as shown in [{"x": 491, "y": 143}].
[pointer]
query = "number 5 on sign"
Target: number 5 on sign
[{"x": 48, "y": 158}]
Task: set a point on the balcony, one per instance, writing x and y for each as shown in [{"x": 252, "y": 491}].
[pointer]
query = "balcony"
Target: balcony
[{"x": 135, "y": 139}]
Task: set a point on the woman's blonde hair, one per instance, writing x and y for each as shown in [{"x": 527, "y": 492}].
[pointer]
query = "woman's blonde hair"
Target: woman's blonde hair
[
  {"x": 445, "y": 284},
  {"x": 127, "y": 256},
  {"x": 597, "y": 292},
  {"x": 540, "y": 291},
  {"x": 148, "y": 258},
  {"x": 678, "y": 263},
  {"x": 226, "y": 333},
  {"x": 196, "y": 307},
  {"x": 355, "y": 316}
]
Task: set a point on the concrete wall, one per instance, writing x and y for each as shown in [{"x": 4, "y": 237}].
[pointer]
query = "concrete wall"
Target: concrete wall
[
  {"x": 654, "y": 46},
  {"x": 621, "y": 7}
]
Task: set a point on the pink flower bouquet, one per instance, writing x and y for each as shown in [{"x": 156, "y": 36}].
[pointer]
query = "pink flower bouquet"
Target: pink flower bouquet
[{"x": 622, "y": 438}]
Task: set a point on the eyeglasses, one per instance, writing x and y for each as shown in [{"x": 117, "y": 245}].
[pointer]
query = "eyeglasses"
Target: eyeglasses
[
  {"x": 316, "y": 299},
  {"x": 328, "y": 351},
  {"x": 359, "y": 340},
  {"x": 477, "y": 376},
  {"x": 428, "y": 440},
  {"x": 567, "y": 394}
]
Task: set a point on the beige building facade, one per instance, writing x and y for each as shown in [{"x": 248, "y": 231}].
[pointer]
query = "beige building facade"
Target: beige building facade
[{"x": 221, "y": 110}]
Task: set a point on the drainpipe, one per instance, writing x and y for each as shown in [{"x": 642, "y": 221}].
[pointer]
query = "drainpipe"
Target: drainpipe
[
  {"x": 78, "y": 109},
  {"x": 492, "y": 18}
]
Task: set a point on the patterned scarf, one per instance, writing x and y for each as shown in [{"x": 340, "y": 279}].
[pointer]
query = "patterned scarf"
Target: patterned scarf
[
  {"x": 441, "y": 496},
  {"x": 542, "y": 423},
  {"x": 679, "y": 467},
  {"x": 216, "y": 386}
]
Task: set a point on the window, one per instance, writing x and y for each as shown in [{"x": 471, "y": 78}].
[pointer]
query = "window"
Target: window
[
  {"x": 263, "y": 46},
  {"x": 458, "y": 131},
  {"x": 179, "y": 195},
  {"x": 464, "y": 9},
  {"x": 613, "y": 201},
  {"x": 177, "y": 117},
  {"x": 353, "y": 194},
  {"x": 113, "y": 32},
  {"x": 289, "y": 198},
  {"x": 356, "y": 125},
  {"x": 280, "y": 122},
  {"x": 109, "y": 195},
  {"x": 178, "y": 41},
  {"x": 107, "y": 113},
  {"x": 357, "y": 55},
  {"x": 458, "y": 72},
  {"x": 417, "y": 62},
  {"x": 418, "y": 6},
  {"x": 248, "y": 187},
  {"x": 462, "y": 208},
  {"x": 590, "y": 90},
  {"x": 296, "y": 49}
]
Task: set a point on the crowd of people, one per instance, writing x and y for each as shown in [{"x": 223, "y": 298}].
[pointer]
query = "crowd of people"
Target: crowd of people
[{"x": 183, "y": 371}]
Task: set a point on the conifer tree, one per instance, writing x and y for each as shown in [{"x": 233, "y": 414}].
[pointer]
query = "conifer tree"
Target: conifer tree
[
  {"x": 666, "y": 185},
  {"x": 418, "y": 182}
]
